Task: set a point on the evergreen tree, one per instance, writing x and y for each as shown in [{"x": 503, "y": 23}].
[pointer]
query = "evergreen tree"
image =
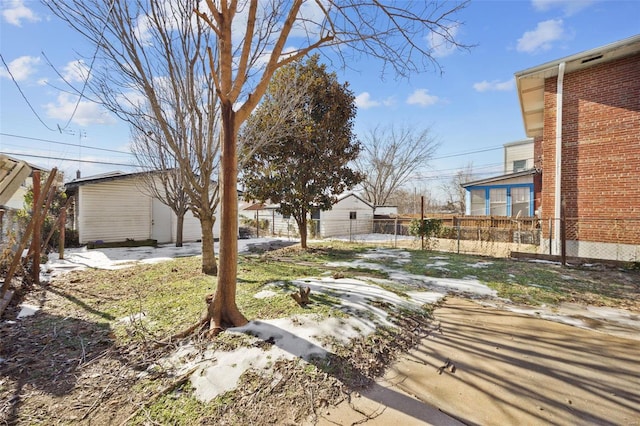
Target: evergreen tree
[{"x": 306, "y": 164}]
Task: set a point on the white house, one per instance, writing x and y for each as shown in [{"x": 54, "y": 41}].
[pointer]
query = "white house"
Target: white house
[
  {"x": 116, "y": 206},
  {"x": 350, "y": 215}
]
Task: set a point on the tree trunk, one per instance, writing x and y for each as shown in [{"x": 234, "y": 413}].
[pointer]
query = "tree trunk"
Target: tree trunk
[
  {"x": 302, "y": 227},
  {"x": 209, "y": 265},
  {"x": 179, "y": 228},
  {"x": 223, "y": 310}
]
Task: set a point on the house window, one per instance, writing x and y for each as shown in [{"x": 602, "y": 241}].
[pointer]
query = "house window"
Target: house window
[
  {"x": 352, "y": 215},
  {"x": 478, "y": 202},
  {"x": 498, "y": 201},
  {"x": 520, "y": 202},
  {"x": 519, "y": 166}
]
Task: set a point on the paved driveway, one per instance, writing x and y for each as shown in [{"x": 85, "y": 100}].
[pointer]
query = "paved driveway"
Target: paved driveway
[{"x": 487, "y": 366}]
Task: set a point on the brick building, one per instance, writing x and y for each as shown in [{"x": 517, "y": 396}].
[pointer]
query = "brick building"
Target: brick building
[{"x": 589, "y": 154}]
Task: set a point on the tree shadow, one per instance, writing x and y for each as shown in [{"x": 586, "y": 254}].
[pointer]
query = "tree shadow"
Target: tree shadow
[
  {"x": 527, "y": 369},
  {"x": 42, "y": 353},
  {"x": 346, "y": 370}
]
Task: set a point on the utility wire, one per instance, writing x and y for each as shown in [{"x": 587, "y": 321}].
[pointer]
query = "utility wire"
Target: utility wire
[
  {"x": 467, "y": 153},
  {"x": 67, "y": 144},
  {"x": 23, "y": 95},
  {"x": 19, "y": 154},
  {"x": 93, "y": 60}
]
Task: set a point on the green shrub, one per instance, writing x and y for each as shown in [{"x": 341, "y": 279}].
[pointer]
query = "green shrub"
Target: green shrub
[{"x": 427, "y": 228}]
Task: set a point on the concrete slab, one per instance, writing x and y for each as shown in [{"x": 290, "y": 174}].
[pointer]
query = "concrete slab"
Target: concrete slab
[{"x": 493, "y": 367}]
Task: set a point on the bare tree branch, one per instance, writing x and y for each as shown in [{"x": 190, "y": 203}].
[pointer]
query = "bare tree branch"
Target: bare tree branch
[
  {"x": 153, "y": 73},
  {"x": 391, "y": 157}
]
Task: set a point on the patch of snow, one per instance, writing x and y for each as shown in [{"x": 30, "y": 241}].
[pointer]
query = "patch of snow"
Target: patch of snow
[
  {"x": 426, "y": 297},
  {"x": 298, "y": 337},
  {"x": 550, "y": 262},
  {"x": 124, "y": 257},
  {"x": 221, "y": 375},
  {"x": 596, "y": 318},
  {"x": 437, "y": 264},
  {"x": 27, "y": 310},
  {"x": 480, "y": 264},
  {"x": 423, "y": 282},
  {"x": 373, "y": 237},
  {"x": 265, "y": 294},
  {"x": 132, "y": 318}
]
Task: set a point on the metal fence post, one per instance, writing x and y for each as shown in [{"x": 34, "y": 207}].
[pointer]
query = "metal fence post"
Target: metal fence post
[
  {"x": 395, "y": 233},
  {"x": 458, "y": 227},
  {"x": 550, "y": 236}
]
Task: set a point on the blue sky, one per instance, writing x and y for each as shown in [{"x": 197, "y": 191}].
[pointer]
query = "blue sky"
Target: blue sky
[{"x": 472, "y": 108}]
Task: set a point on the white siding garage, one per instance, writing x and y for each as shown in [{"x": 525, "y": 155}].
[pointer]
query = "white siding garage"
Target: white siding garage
[
  {"x": 351, "y": 215},
  {"x": 111, "y": 211},
  {"x": 115, "y": 207}
]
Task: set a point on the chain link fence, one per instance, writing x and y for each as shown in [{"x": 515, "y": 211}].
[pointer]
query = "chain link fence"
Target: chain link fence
[
  {"x": 485, "y": 236},
  {"x": 11, "y": 228},
  {"x": 589, "y": 238},
  {"x": 592, "y": 238}
]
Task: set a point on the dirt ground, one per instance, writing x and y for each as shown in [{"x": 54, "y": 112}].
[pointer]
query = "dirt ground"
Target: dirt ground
[{"x": 486, "y": 366}]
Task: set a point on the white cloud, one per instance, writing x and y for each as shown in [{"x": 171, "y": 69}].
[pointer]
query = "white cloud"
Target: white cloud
[
  {"x": 495, "y": 85},
  {"x": 14, "y": 12},
  {"x": 422, "y": 98},
  {"x": 75, "y": 71},
  {"x": 310, "y": 17},
  {"x": 439, "y": 44},
  {"x": 390, "y": 101},
  {"x": 569, "y": 7},
  {"x": 21, "y": 68},
  {"x": 85, "y": 114},
  {"x": 542, "y": 37},
  {"x": 364, "y": 101}
]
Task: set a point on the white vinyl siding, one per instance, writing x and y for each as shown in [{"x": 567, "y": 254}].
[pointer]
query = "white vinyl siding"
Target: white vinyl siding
[
  {"x": 336, "y": 222},
  {"x": 191, "y": 230},
  {"x": 120, "y": 209},
  {"x": 518, "y": 153},
  {"x": 112, "y": 211}
]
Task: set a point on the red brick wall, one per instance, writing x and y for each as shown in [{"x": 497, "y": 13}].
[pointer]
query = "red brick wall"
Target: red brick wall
[{"x": 600, "y": 150}]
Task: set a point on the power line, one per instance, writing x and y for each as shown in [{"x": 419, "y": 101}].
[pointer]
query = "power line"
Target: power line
[
  {"x": 19, "y": 154},
  {"x": 65, "y": 143},
  {"x": 23, "y": 95},
  {"x": 93, "y": 59},
  {"x": 468, "y": 152}
]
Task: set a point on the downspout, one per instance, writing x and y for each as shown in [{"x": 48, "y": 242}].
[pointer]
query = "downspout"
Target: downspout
[{"x": 558, "y": 175}]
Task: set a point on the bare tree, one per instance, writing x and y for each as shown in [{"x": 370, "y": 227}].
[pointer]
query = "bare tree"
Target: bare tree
[
  {"x": 391, "y": 157},
  {"x": 251, "y": 41},
  {"x": 454, "y": 192},
  {"x": 164, "y": 179},
  {"x": 150, "y": 68},
  {"x": 409, "y": 201}
]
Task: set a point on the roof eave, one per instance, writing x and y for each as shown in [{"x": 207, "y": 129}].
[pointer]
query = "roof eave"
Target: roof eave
[{"x": 530, "y": 82}]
